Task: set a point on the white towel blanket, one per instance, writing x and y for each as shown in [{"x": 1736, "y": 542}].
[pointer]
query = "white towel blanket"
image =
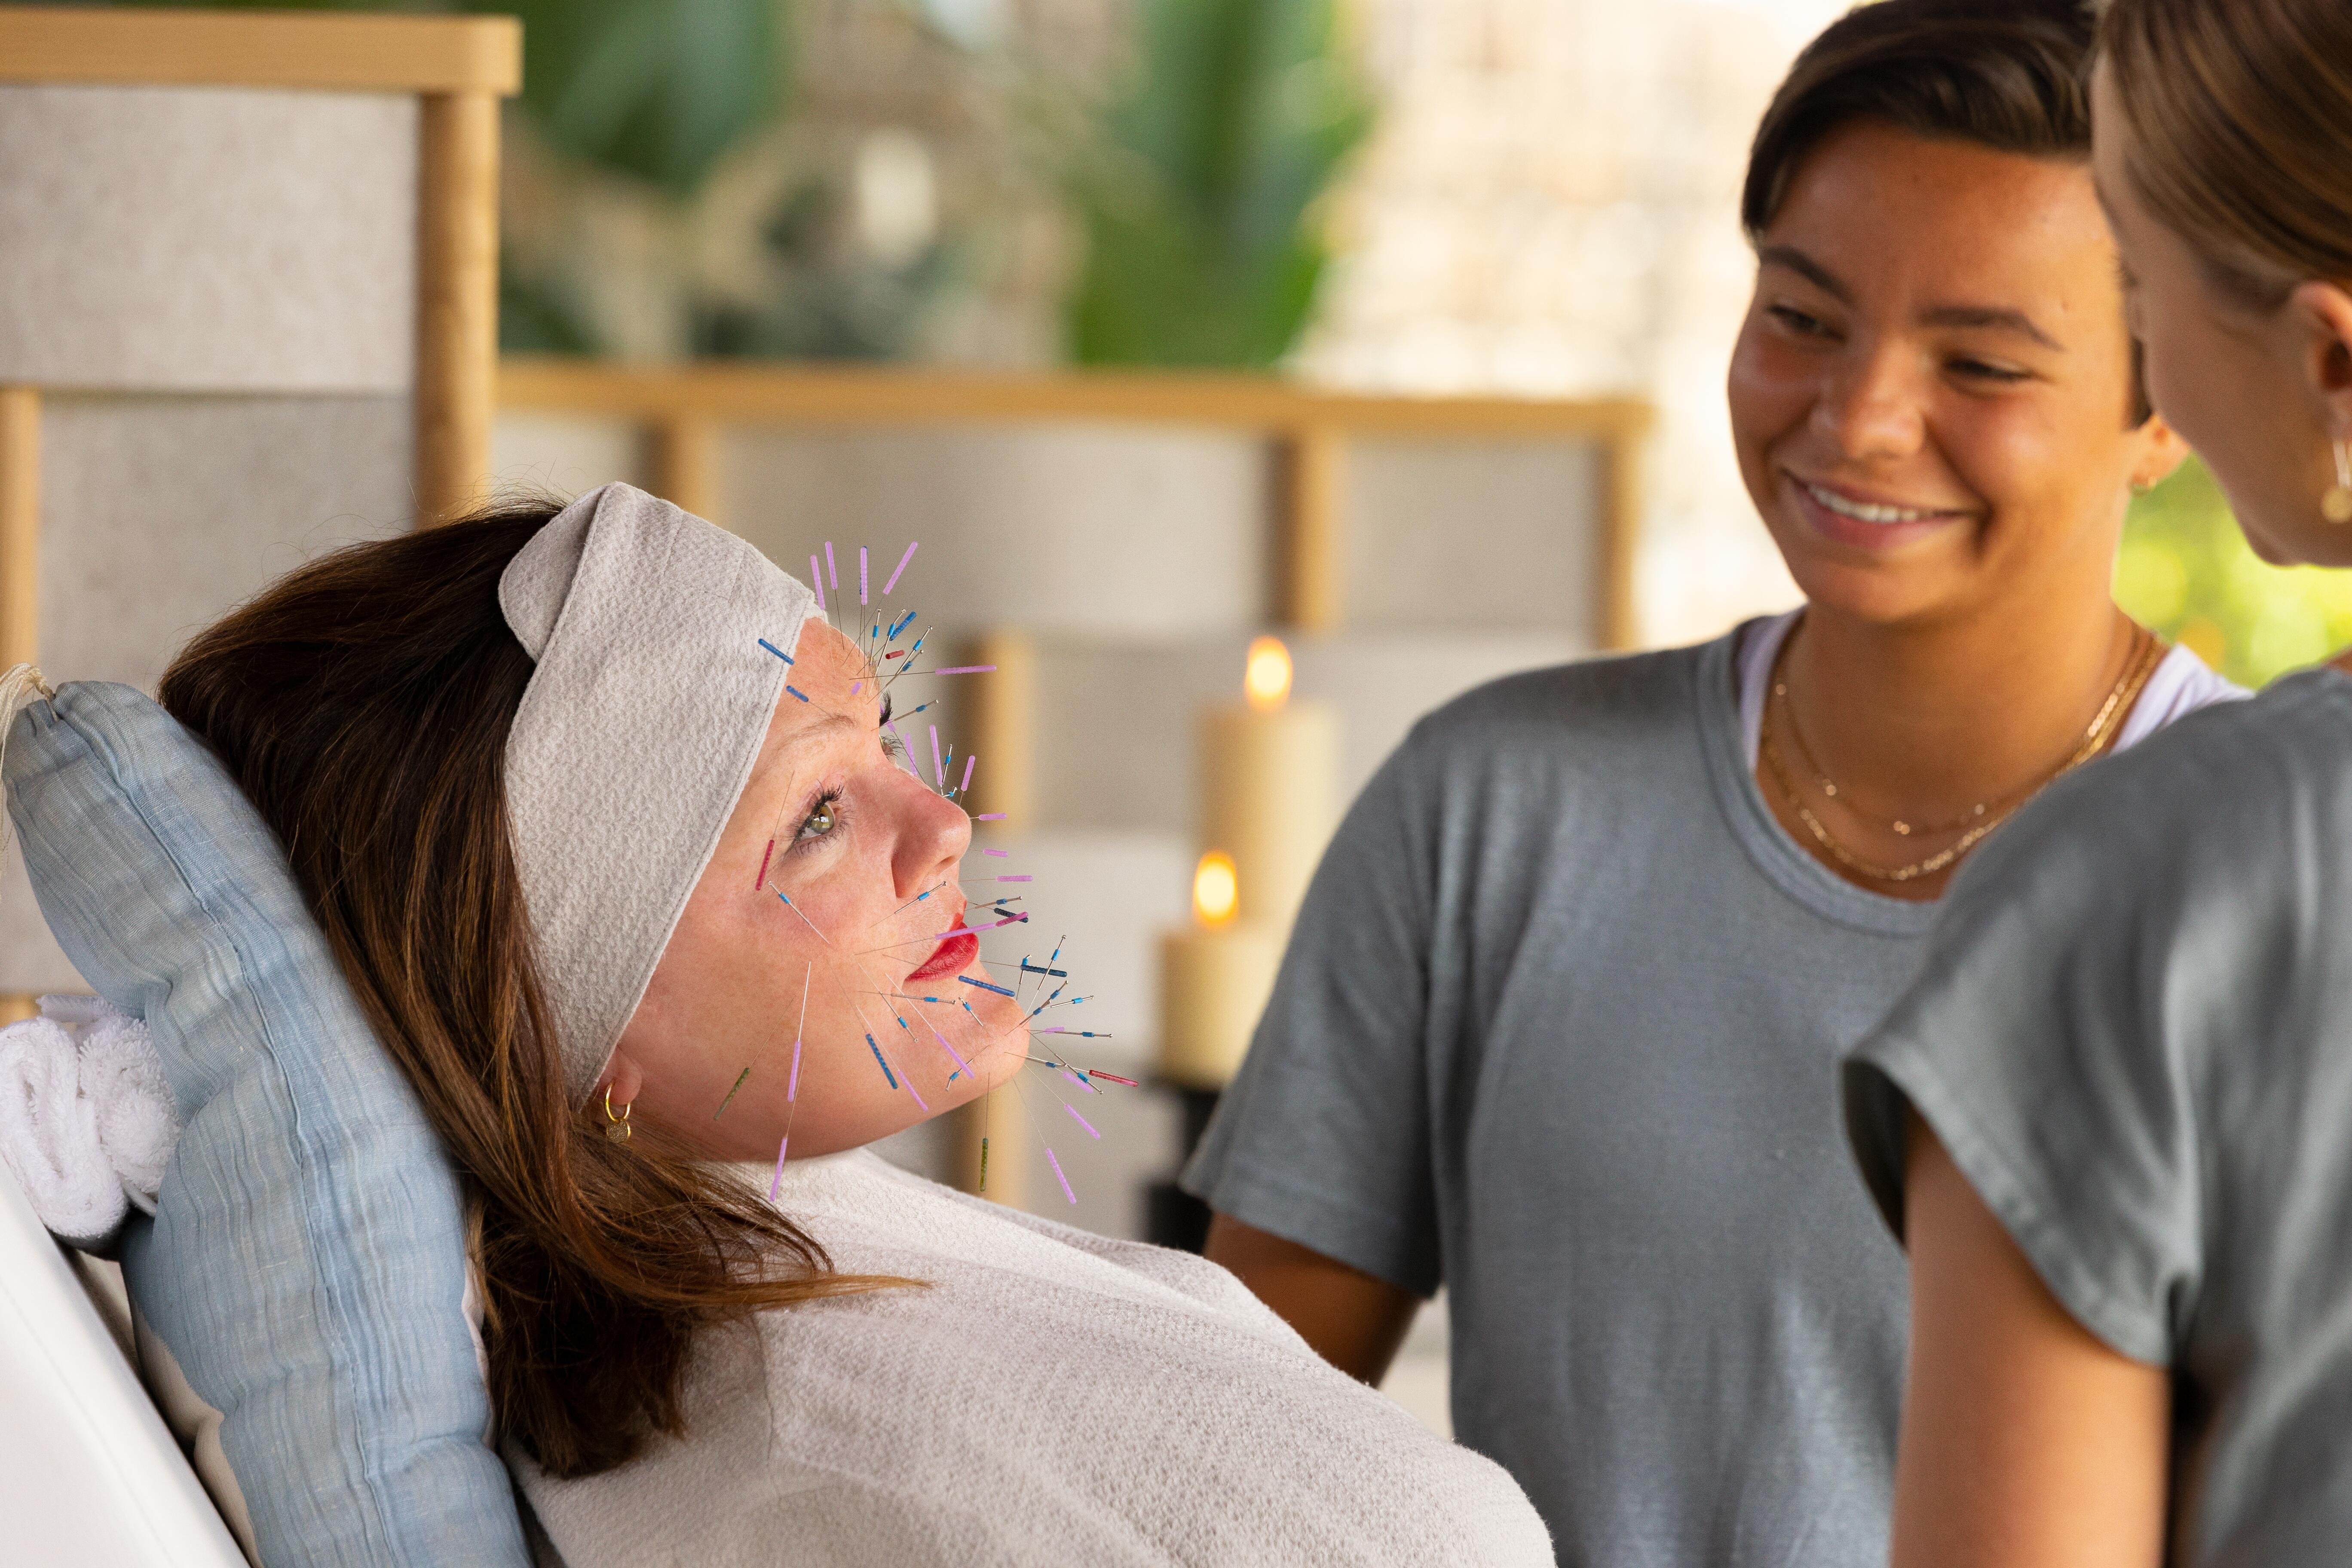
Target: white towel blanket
[
  {"x": 1052, "y": 1398},
  {"x": 86, "y": 1120}
]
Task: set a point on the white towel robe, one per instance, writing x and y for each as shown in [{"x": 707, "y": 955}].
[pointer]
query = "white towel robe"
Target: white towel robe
[{"x": 1052, "y": 1398}]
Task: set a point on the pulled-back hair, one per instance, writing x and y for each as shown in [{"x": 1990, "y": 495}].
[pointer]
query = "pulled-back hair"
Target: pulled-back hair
[
  {"x": 2009, "y": 74},
  {"x": 363, "y": 703},
  {"x": 2241, "y": 118}
]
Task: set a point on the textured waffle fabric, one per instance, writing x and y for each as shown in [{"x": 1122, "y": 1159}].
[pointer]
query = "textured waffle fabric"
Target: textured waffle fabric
[{"x": 634, "y": 739}]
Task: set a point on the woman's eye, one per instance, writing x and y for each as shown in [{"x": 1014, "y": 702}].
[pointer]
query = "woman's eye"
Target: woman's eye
[
  {"x": 1798, "y": 323},
  {"x": 1980, "y": 371},
  {"x": 819, "y": 822}
]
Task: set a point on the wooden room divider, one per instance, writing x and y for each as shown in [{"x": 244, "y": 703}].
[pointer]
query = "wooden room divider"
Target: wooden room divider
[{"x": 248, "y": 294}]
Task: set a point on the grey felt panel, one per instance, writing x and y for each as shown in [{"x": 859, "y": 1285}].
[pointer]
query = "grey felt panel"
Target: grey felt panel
[
  {"x": 1119, "y": 531},
  {"x": 160, "y": 514},
  {"x": 1106, "y": 897},
  {"x": 563, "y": 456},
  {"x": 200, "y": 239},
  {"x": 30, "y": 959},
  {"x": 1485, "y": 533},
  {"x": 1117, "y": 725}
]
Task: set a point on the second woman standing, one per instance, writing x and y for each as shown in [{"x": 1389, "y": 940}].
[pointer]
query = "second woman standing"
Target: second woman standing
[{"x": 1559, "y": 1022}]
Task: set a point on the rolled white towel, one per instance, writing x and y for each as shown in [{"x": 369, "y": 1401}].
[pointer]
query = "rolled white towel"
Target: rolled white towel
[
  {"x": 48, "y": 1134},
  {"x": 138, "y": 1122}
]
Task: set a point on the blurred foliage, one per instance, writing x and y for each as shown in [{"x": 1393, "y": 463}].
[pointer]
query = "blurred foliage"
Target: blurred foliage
[
  {"x": 538, "y": 316},
  {"x": 655, "y": 90},
  {"x": 2187, "y": 573},
  {"x": 1202, "y": 248},
  {"x": 832, "y": 300}
]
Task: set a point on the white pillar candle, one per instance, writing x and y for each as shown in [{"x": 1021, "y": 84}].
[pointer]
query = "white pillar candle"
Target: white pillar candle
[
  {"x": 1213, "y": 984},
  {"x": 1270, "y": 796}
]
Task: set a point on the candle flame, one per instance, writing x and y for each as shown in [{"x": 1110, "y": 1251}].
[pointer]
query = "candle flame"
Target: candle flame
[
  {"x": 1216, "y": 890},
  {"x": 1266, "y": 680}
]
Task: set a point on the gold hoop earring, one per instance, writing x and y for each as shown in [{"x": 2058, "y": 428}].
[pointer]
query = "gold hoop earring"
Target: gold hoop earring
[
  {"x": 618, "y": 1129},
  {"x": 2336, "y": 506}
]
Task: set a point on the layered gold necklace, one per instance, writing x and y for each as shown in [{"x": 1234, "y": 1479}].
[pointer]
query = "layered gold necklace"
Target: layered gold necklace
[{"x": 1972, "y": 825}]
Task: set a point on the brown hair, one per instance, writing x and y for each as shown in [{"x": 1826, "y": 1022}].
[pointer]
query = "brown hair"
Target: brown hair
[
  {"x": 2010, "y": 74},
  {"x": 363, "y": 703},
  {"x": 2241, "y": 116}
]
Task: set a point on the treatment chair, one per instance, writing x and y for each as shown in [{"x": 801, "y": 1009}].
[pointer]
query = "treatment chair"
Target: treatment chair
[{"x": 89, "y": 1474}]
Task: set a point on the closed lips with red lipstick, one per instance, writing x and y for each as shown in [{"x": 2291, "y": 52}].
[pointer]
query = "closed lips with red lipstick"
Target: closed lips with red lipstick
[{"x": 952, "y": 956}]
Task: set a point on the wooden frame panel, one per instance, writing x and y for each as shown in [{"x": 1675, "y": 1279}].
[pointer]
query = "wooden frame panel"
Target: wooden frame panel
[
  {"x": 677, "y": 406},
  {"x": 459, "y": 66},
  {"x": 457, "y": 299},
  {"x": 20, "y": 526},
  {"x": 349, "y": 53}
]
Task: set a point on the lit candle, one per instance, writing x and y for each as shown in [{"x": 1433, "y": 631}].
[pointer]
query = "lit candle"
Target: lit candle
[
  {"x": 1214, "y": 980},
  {"x": 1270, "y": 785}
]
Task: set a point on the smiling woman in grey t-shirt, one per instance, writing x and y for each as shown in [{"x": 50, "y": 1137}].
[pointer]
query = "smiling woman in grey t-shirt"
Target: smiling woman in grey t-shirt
[{"x": 1558, "y": 1028}]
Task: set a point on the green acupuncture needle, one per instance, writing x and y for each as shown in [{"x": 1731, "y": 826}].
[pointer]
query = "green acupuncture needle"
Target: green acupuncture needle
[{"x": 730, "y": 1095}]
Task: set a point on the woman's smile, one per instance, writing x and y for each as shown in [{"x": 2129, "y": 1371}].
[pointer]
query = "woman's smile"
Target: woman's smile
[{"x": 1865, "y": 522}]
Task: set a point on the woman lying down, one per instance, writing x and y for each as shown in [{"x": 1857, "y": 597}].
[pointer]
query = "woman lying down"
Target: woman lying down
[{"x": 586, "y": 849}]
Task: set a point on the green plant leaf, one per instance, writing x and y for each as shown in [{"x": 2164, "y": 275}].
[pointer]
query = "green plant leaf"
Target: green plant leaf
[
  {"x": 658, "y": 90},
  {"x": 1199, "y": 209}
]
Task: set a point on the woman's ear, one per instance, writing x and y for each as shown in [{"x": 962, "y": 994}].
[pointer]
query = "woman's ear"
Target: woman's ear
[
  {"x": 2320, "y": 315},
  {"x": 2161, "y": 450},
  {"x": 623, "y": 1077}
]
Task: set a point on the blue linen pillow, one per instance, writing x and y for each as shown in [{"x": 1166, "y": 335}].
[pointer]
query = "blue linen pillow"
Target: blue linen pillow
[{"x": 306, "y": 1265}]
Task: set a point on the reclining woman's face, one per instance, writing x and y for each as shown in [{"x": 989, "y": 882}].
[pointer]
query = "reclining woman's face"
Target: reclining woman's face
[
  {"x": 867, "y": 855},
  {"x": 1932, "y": 395}
]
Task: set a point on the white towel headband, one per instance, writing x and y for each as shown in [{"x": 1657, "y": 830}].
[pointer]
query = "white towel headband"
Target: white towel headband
[{"x": 634, "y": 739}]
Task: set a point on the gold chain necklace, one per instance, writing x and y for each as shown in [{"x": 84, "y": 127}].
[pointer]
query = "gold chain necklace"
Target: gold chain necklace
[
  {"x": 2143, "y": 644},
  {"x": 2096, "y": 739}
]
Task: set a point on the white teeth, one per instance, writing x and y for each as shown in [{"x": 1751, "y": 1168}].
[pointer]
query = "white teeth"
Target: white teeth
[{"x": 1863, "y": 513}]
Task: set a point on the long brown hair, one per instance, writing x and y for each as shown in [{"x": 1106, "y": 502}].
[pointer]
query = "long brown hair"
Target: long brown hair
[
  {"x": 2240, "y": 114},
  {"x": 363, "y": 703}
]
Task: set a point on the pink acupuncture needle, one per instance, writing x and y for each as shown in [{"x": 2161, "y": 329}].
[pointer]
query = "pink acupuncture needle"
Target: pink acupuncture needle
[{"x": 792, "y": 1086}]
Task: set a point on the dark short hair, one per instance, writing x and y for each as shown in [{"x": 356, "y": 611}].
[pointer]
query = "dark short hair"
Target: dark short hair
[{"x": 2010, "y": 74}]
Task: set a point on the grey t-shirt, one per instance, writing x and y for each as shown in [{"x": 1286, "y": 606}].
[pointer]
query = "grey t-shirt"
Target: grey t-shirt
[
  {"x": 2133, "y": 1030},
  {"x": 1558, "y": 1030}
]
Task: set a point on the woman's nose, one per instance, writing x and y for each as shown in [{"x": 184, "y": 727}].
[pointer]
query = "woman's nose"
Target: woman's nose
[
  {"x": 1872, "y": 407},
  {"x": 933, "y": 834}
]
